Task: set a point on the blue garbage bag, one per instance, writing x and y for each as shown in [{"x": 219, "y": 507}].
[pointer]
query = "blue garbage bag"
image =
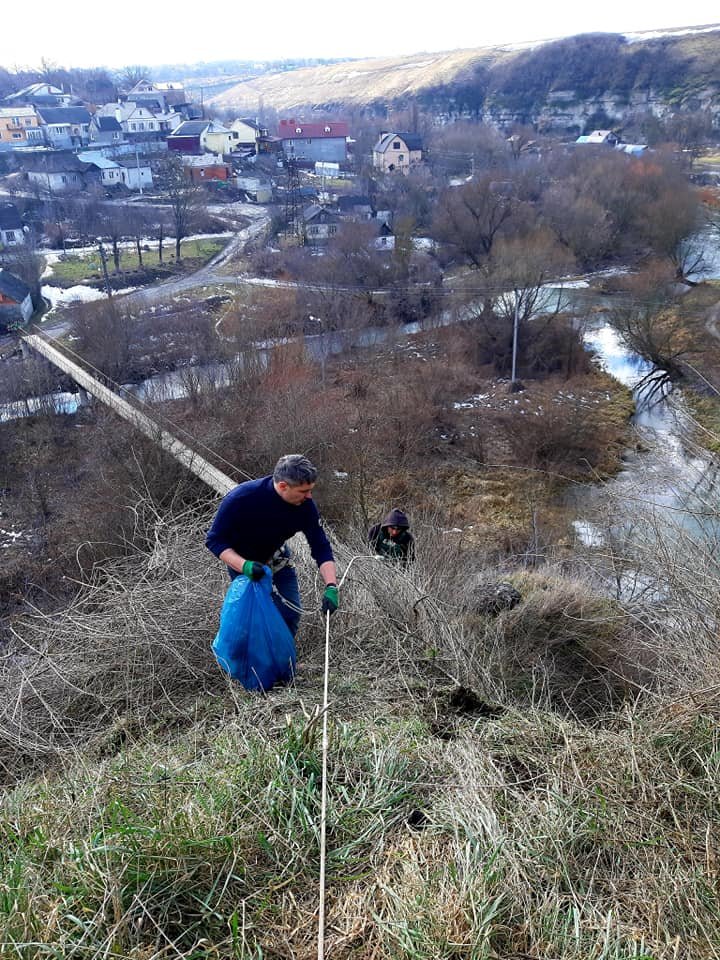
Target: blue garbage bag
[{"x": 254, "y": 644}]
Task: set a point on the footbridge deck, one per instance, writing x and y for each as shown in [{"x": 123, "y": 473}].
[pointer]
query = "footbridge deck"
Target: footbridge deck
[{"x": 200, "y": 467}]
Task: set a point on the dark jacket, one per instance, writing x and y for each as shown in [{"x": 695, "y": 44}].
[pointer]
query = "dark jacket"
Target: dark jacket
[
  {"x": 255, "y": 521},
  {"x": 400, "y": 547}
]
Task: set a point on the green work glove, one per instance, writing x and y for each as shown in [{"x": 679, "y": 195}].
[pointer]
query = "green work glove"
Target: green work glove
[
  {"x": 330, "y": 598},
  {"x": 253, "y": 570}
]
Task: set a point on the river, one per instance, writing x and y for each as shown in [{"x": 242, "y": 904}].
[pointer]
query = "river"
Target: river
[{"x": 664, "y": 505}]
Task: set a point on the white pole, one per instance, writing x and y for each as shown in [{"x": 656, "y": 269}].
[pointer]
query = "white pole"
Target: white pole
[
  {"x": 516, "y": 322},
  {"x": 323, "y": 801}
]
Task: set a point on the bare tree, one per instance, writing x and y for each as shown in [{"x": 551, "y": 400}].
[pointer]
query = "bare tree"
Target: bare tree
[
  {"x": 578, "y": 221},
  {"x": 184, "y": 197},
  {"x": 654, "y": 325},
  {"x": 102, "y": 333},
  {"x": 133, "y": 74},
  {"x": 470, "y": 218},
  {"x": 112, "y": 227},
  {"x": 521, "y": 266}
]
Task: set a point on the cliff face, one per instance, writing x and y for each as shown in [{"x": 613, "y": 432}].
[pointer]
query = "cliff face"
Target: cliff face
[
  {"x": 559, "y": 84},
  {"x": 564, "y": 110}
]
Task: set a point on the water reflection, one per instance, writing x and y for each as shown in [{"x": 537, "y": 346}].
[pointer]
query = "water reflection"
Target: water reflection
[{"x": 663, "y": 502}]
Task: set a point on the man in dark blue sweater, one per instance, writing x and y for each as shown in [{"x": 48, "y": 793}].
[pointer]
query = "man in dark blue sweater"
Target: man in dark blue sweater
[{"x": 256, "y": 518}]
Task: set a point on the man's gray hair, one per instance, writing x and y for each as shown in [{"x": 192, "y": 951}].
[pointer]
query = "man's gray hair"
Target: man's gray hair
[{"x": 295, "y": 470}]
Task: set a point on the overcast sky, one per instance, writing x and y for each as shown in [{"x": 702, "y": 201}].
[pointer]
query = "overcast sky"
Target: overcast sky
[{"x": 73, "y": 33}]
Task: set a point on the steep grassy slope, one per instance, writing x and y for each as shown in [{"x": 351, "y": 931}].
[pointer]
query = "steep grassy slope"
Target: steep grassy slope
[{"x": 166, "y": 813}]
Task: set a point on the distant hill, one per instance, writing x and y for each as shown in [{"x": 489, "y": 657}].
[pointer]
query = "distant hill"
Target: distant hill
[
  {"x": 559, "y": 82},
  {"x": 359, "y": 82}
]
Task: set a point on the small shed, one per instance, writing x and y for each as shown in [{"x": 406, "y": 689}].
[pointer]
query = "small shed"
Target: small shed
[
  {"x": 16, "y": 304},
  {"x": 204, "y": 168}
]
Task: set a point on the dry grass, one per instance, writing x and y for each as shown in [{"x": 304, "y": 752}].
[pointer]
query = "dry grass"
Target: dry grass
[
  {"x": 357, "y": 81},
  {"x": 518, "y": 786}
]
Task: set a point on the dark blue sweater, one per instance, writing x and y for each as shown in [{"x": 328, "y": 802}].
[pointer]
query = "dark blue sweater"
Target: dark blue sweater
[{"x": 255, "y": 521}]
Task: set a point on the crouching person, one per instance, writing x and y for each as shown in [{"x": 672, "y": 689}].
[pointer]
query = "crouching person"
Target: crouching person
[{"x": 392, "y": 539}]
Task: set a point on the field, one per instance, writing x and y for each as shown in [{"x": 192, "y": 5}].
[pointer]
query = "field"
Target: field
[{"x": 71, "y": 269}]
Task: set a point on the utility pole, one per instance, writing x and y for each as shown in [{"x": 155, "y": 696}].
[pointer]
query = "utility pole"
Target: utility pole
[
  {"x": 516, "y": 324},
  {"x": 103, "y": 259}
]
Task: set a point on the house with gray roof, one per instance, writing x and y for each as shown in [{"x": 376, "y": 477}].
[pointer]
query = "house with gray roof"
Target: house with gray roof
[
  {"x": 189, "y": 137},
  {"x": 105, "y": 131},
  {"x": 65, "y": 127},
  {"x": 16, "y": 304},
  {"x": 55, "y": 172},
  {"x": 397, "y": 152},
  {"x": 103, "y": 170},
  {"x": 319, "y": 224},
  {"x": 45, "y": 94}
]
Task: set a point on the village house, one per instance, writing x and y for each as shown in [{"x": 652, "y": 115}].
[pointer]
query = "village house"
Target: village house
[
  {"x": 603, "y": 137},
  {"x": 325, "y": 141},
  {"x": 105, "y": 131},
  {"x": 154, "y": 95},
  {"x": 55, "y": 172},
  {"x": 101, "y": 169},
  {"x": 633, "y": 149},
  {"x": 20, "y": 126},
  {"x": 138, "y": 122},
  {"x": 186, "y": 137},
  {"x": 65, "y": 127},
  {"x": 218, "y": 139},
  {"x": 41, "y": 94},
  {"x": 397, "y": 152},
  {"x": 12, "y": 231},
  {"x": 319, "y": 224},
  {"x": 16, "y": 304},
  {"x": 355, "y": 207},
  {"x": 200, "y": 136},
  {"x": 168, "y": 121},
  {"x": 247, "y": 132},
  {"x": 385, "y": 239}
]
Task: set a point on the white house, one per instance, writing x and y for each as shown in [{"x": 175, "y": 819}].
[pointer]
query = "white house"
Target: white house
[
  {"x": 606, "y": 137},
  {"x": 246, "y": 132},
  {"x": 109, "y": 170},
  {"x": 134, "y": 119},
  {"x": 397, "y": 152},
  {"x": 55, "y": 172},
  {"x": 136, "y": 173}
]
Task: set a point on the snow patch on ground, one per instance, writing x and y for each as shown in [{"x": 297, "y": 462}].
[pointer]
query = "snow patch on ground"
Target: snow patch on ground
[
  {"x": 77, "y": 294},
  {"x": 639, "y": 36}
]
